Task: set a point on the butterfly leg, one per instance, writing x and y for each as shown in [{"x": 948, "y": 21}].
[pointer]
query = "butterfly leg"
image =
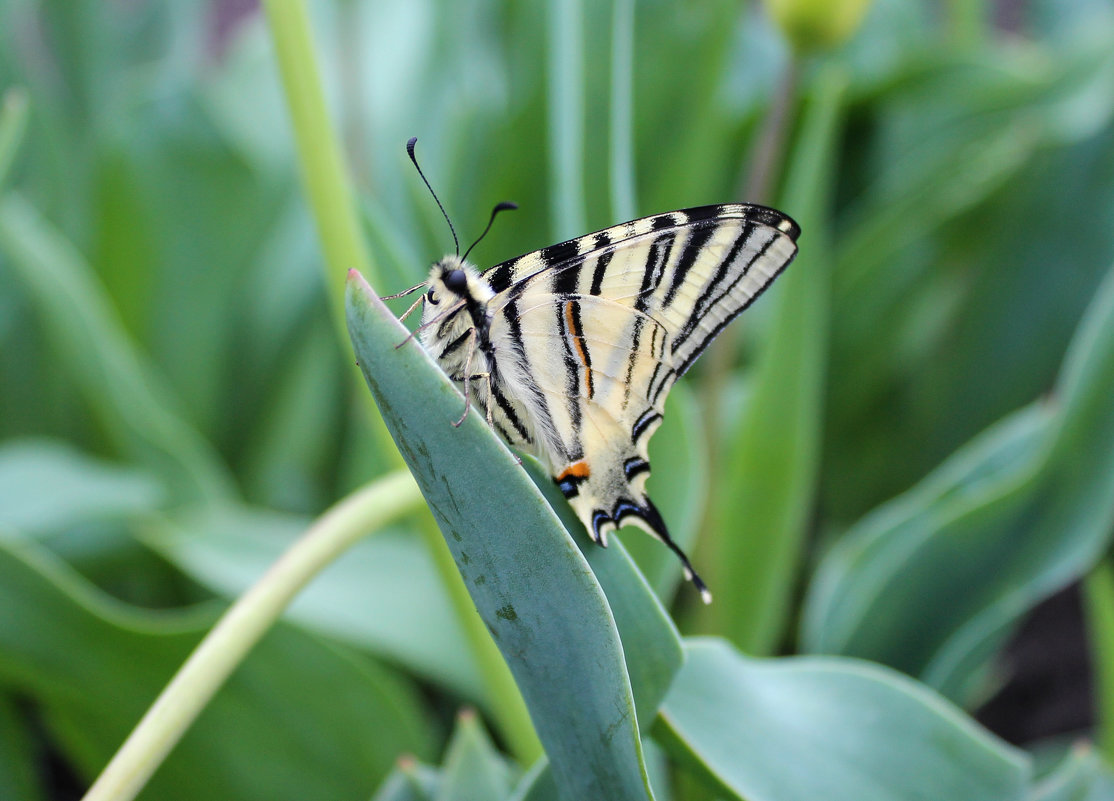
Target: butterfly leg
[
  {"x": 467, "y": 376},
  {"x": 413, "y": 306},
  {"x": 406, "y": 314}
]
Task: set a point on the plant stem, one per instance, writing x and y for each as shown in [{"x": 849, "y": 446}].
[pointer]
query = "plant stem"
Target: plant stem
[
  {"x": 212, "y": 662},
  {"x": 623, "y": 203},
  {"x": 13, "y": 124},
  {"x": 765, "y": 166},
  {"x": 324, "y": 175},
  {"x": 1098, "y": 598},
  {"x": 766, "y": 161},
  {"x": 323, "y": 170},
  {"x": 764, "y": 497},
  {"x": 566, "y": 117}
]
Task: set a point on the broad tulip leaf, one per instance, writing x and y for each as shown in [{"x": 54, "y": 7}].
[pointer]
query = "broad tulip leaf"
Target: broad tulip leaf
[
  {"x": 804, "y": 728},
  {"x": 93, "y": 666},
  {"x": 531, "y": 584}
]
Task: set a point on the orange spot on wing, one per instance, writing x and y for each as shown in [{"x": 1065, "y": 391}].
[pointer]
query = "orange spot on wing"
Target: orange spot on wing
[{"x": 575, "y": 470}]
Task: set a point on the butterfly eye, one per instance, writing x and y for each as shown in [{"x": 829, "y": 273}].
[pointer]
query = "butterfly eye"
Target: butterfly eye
[
  {"x": 456, "y": 281},
  {"x": 431, "y": 297}
]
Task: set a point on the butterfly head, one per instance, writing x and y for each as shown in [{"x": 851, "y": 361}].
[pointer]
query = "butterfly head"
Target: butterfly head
[{"x": 452, "y": 280}]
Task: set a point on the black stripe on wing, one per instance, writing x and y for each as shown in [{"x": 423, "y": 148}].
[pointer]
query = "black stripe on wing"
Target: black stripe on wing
[
  {"x": 503, "y": 275},
  {"x": 643, "y": 424},
  {"x": 711, "y": 334},
  {"x": 600, "y": 270},
  {"x": 695, "y": 244},
  {"x": 705, "y": 301},
  {"x": 654, "y": 271},
  {"x": 572, "y": 378},
  {"x": 537, "y": 397},
  {"x": 504, "y": 406}
]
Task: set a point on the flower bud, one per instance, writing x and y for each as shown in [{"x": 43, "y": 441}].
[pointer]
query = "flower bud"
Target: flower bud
[{"x": 811, "y": 25}]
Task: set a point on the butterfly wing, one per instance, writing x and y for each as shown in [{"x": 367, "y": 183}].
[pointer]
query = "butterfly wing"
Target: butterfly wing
[{"x": 592, "y": 333}]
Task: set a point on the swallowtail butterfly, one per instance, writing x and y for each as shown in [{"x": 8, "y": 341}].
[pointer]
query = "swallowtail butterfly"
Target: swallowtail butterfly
[{"x": 572, "y": 349}]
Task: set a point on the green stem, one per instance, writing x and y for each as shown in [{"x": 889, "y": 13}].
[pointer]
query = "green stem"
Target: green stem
[
  {"x": 323, "y": 170},
  {"x": 236, "y": 633},
  {"x": 623, "y": 203},
  {"x": 324, "y": 176},
  {"x": 765, "y": 168},
  {"x": 13, "y": 123},
  {"x": 566, "y": 117},
  {"x": 766, "y": 162},
  {"x": 763, "y": 500},
  {"x": 1098, "y": 597}
]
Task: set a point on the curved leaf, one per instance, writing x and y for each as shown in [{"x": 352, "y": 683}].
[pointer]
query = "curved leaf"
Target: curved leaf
[
  {"x": 806, "y": 728},
  {"x": 92, "y": 345},
  {"x": 46, "y": 485},
  {"x": 1081, "y": 776},
  {"x": 229, "y": 548},
  {"x": 651, "y": 642},
  {"x": 473, "y": 769},
  {"x": 1017, "y": 514},
  {"x": 529, "y": 580},
  {"x": 351, "y": 726}
]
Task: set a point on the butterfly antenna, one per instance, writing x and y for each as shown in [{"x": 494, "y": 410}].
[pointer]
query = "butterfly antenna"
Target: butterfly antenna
[
  {"x": 410, "y": 150},
  {"x": 404, "y": 292},
  {"x": 506, "y": 205}
]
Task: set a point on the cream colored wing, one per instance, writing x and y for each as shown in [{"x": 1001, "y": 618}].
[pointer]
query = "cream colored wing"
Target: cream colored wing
[{"x": 589, "y": 335}]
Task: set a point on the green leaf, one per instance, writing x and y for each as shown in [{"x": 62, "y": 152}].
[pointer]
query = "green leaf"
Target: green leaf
[
  {"x": 1017, "y": 514},
  {"x": 537, "y": 784},
  {"x": 528, "y": 578},
  {"x": 409, "y": 781},
  {"x": 947, "y": 314},
  {"x": 92, "y": 346},
  {"x": 18, "y": 778},
  {"x": 766, "y": 486},
  {"x": 13, "y": 123},
  {"x": 860, "y": 569},
  {"x": 806, "y": 728},
  {"x": 1098, "y": 597},
  {"x": 565, "y": 76},
  {"x": 1082, "y": 776},
  {"x": 94, "y": 664},
  {"x": 473, "y": 770},
  {"x": 229, "y": 548},
  {"x": 647, "y": 632},
  {"x": 46, "y": 485}
]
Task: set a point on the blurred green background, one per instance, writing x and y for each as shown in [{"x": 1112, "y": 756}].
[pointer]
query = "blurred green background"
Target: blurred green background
[{"x": 177, "y": 401}]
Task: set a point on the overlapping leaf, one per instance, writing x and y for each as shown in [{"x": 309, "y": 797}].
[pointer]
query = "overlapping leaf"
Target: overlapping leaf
[{"x": 529, "y": 580}]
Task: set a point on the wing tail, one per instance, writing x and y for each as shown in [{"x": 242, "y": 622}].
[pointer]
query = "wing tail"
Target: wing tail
[{"x": 645, "y": 515}]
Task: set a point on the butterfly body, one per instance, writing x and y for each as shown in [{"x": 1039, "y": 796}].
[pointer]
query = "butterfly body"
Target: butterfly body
[{"x": 570, "y": 351}]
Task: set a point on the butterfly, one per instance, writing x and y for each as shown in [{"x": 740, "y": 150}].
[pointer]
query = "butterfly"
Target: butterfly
[{"x": 571, "y": 350}]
